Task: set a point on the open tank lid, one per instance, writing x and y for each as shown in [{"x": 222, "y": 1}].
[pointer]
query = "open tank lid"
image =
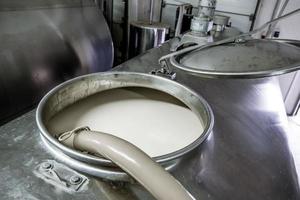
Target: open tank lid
[{"x": 246, "y": 58}]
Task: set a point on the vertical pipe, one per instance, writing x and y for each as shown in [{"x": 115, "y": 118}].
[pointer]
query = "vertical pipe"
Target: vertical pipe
[
  {"x": 151, "y": 12},
  {"x": 202, "y": 22},
  {"x": 297, "y": 108},
  {"x": 255, "y": 14},
  {"x": 272, "y": 27},
  {"x": 179, "y": 21},
  {"x": 199, "y": 8},
  {"x": 275, "y": 10}
]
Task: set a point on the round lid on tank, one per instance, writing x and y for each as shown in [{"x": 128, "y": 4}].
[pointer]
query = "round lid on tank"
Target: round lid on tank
[{"x": 251, "y": 58}]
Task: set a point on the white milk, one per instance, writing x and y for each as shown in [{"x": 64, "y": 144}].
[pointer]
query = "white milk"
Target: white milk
[{"x": 153, "y": 121}]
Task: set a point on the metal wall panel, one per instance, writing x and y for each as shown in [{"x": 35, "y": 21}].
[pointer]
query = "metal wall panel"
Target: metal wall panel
[{"x": 246, "y": 7}]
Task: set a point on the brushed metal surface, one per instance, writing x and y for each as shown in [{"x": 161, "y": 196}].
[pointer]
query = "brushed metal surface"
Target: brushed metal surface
[
  {"x": 137, "y": 10},
  {"x": 14, "y": 5},
  {"x": 44, "y": 43},
  {"x": 145, "y": 36},
  {"x": 247, "y": 59},
  {"x": 246, "y": 157}
]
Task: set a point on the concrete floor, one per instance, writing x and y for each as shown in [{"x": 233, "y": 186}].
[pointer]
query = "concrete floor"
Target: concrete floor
[{"x": 294, "y": 141}]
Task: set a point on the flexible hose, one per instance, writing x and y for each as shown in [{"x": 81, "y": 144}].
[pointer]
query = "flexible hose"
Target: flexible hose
[{"x": 131, "y": 159}]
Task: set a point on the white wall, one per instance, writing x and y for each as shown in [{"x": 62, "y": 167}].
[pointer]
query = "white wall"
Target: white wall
[{"x": 289, "y": 29}]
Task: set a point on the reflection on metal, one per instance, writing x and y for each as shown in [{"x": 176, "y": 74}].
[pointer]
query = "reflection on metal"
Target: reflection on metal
[
  {"x": 141, "y": 10},
  {"x": 138, "y": 11},
  {"x": 44, "y": 43},
  {"x": 227, "y": 32},
  {"x": 146, "y": 33},
  {"x": 220, "y": 22},
  {"x": 145, "y": 36}
]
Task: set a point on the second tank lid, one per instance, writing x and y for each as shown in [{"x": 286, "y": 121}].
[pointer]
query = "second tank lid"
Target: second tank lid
[{"x": 247, "y": 58}]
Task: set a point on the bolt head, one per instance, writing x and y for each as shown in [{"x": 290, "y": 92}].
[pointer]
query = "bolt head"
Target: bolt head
[
  {"x": 46, "y": 165},
  {"x": 75, "y": 180}
]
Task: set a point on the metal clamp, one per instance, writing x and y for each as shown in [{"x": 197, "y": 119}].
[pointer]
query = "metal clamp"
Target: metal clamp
[
  {"x": 61, "y": 176},
  {"x": 64, "y": 136},
  {"x": 164, "y": 71}
]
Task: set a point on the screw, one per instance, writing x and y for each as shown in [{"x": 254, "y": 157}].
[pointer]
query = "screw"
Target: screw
[
  {"x": 46, "y": 165},
  {"x": 75, "y": 180},
  {"x": 240, "y": 40}
]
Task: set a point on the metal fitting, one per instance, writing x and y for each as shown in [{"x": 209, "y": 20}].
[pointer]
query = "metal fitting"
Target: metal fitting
[
  {"x": 75, "y": 180},
  {"x": 46, "y": 166}
]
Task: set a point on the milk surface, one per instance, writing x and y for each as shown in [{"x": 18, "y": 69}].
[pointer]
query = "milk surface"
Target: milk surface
[{"x": 155, "y": 122}]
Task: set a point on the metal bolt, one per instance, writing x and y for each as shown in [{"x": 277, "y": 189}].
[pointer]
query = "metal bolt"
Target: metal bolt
[
  {"x": 240, "y": 40},
  {"x": 46, "y": 165},
  {"x": 75, "y": 180}
]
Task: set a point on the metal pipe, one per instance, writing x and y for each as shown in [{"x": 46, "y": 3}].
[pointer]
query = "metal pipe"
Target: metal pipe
[
  {"x": 283, "y": 8},
  {"x": 255, "y": 14},
  {"x": 202, "y": 21},
  {"x": 180, "y": 18},
  {"x": 272, "y": 27},
  {"x": 131, "y": 159},
  {"x": 297, "y": 108},
  {"x": 275, "y": 10},
  {"x": 151, "y": 12}
]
